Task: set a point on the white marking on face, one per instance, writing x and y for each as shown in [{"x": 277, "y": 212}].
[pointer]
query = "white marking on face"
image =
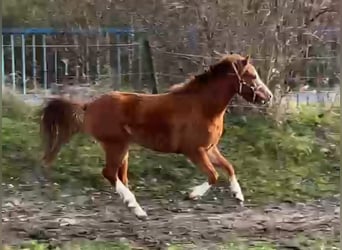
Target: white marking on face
[
  {"x": 261, "y": 84},
  {"x": 129, "y": 199},
  {"x": 199, "y": 190}
]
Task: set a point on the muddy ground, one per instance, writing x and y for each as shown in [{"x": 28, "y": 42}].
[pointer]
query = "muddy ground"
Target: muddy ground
[{"x": 204, "y": 223}]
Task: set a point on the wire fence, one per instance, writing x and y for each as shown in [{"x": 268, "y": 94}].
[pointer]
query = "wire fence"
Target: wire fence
[{"x": 177, "y": 54}]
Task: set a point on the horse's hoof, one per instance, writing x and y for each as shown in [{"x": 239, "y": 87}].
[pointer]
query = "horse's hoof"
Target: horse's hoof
[
  {"x": 238, "y": 197},
  {"x": 140, "y": 214},
  {"x": 236, "y": 191},
  {"x": 199, "y": 190},
  {"x": 239, "y": 201},
  {"x": 142, "y": 217},
  {"x": 192, "y": 197}
]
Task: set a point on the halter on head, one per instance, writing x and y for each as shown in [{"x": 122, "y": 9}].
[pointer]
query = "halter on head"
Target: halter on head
[{"x": 242, "y": 82}]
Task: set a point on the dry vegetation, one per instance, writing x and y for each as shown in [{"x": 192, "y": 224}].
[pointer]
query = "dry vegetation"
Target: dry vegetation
[{"x": 295, "y": 41}]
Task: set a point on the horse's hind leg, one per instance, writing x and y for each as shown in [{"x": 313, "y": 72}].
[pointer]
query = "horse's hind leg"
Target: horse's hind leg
[
  {"x": 219, "y": 160},
  {"x": 201, "y": 159},
  {"x": 115, "y": 158},
  {"x": 123, "y": 171}
]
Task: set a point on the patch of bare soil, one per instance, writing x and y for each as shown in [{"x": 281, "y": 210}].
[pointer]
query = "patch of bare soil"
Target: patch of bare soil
[{"x": 102, "y": 216}]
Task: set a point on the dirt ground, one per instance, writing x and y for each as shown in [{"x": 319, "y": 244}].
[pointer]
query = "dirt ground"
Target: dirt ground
[{"x": 102, "y": 216}]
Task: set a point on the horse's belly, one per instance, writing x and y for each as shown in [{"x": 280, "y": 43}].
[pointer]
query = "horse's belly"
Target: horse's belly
[
  {"x": 156, "y": 142},
  {"x": 176, "y": 138},
  {"x": 201, "y": 136},
  {"x": 157, "y": 138}
]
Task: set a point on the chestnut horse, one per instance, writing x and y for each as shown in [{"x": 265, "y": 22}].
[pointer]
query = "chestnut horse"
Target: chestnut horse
[{"x": 186, "y": 120}]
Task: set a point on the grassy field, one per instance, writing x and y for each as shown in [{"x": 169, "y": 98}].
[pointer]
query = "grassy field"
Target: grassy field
[
  {"x": 298, "y": 160},
  {"x": 295, "y": 161}
]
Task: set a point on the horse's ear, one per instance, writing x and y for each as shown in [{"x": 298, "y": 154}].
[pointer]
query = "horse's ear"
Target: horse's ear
[{"x": 246, "y": 60}]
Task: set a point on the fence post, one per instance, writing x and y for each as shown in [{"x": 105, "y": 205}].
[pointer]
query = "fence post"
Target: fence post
[
  {"x": 13, "y": 63},
  {"x": 118, "y": 60},
  {"x": 23, "y": 54},
  {"x": 98, "y": 67},
  {"x": 140, "y": 65},
  {"x": 87, "y": 58},
  {"x": 150, "y": 66},
  {"x": 34, "y": 60},
  {"x": 56, "y": 65},
  {"x": 2, "y": 60},
  {"x": 44, "y": 63},
  {"x": 131, "y": 40},
  {"x": 112, "y": 60}
]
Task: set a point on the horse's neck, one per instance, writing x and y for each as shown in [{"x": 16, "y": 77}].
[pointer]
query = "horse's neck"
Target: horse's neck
[{"x": 217, "y": 96}]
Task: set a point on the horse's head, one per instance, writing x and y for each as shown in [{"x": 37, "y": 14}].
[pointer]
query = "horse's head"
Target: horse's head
[{"x": 248, "y": 83}]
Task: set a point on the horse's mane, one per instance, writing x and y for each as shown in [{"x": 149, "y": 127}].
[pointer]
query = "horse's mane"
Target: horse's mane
[{"x": 221, "y": 68}]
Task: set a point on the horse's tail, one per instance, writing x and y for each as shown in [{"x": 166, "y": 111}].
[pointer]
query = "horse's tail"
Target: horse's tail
[{"x": 60, "y": 120}]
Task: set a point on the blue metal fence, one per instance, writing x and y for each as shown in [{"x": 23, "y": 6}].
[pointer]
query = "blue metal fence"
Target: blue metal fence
[{"x": 10, "y": 38}]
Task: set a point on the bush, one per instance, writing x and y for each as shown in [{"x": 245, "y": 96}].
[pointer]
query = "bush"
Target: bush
[{"x": 13, "y": 107}]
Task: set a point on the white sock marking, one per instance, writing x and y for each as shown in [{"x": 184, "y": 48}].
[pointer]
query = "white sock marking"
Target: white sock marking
[
  {"x": 199, "y": 190},
  {"x": 129, "y": 199},
  {"x": 236, "y": 189}
]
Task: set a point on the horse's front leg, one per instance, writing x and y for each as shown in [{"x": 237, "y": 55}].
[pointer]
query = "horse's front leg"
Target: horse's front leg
[
  {"x": 220, "y": 161},
  {"x": 202, "y": 160},
  {"x": 217, "y": 159}
]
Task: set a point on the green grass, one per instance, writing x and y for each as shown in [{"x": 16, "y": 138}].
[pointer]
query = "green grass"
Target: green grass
[{"x": 298, "y": 160}]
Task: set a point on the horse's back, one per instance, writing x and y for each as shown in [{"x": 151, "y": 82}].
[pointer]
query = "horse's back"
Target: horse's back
[{"x": 110, "y": 114}]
